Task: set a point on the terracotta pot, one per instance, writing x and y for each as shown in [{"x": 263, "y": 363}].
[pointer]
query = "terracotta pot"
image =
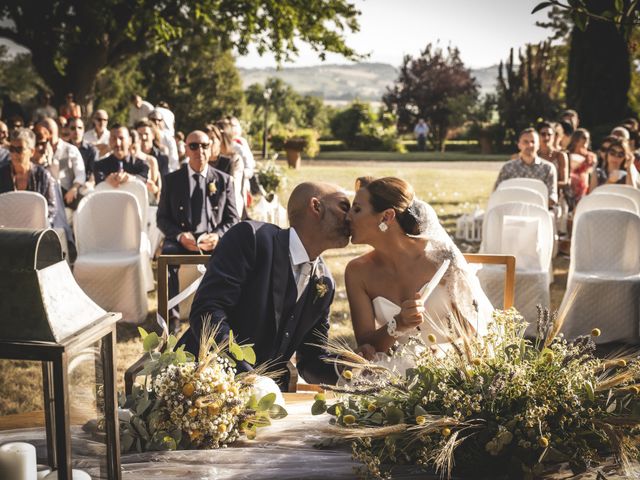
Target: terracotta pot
[{"x": 293, "y": 158}]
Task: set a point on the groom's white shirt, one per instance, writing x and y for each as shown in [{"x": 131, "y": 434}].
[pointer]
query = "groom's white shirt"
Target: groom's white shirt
[{"x": 298, "y": 256}]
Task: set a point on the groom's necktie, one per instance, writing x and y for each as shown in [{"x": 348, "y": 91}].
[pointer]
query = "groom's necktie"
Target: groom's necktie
[
  {"x": 196, "y": 203},
  {"x": 303, "y": 277}
]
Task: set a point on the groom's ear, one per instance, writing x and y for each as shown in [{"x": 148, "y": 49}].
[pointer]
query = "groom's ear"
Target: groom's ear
[{"x": 315, "y": 205}]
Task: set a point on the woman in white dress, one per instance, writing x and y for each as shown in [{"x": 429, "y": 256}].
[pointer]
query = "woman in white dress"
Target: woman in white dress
[{"x": 384, "y": 286}]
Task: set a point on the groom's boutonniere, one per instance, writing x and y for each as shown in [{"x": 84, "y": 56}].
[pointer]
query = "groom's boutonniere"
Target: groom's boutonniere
[
  {"x": 213, "y": 188},
  {"x": 321, "y": 284}
]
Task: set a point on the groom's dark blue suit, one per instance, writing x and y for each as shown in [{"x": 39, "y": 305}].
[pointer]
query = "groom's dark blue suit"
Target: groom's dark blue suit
[{"x": 249, "y": 288}]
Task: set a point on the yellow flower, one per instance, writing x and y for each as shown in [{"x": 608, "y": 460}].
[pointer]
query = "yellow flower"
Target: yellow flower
[
  {"x": 320, "y": 397},
  {"x": 371, "y": 407},
  {"x": 543, "y": 442},
  {"x": 477, "y": 362},
  {"x": 194, "y": 435},
  {"x": 595, "y": 332},
  {"x": 222, "y": 428},
  {"x": 548, "y": 357},
  {"x": 445, "y": 432},
  {"x": 621, "y": 363},
  {"x": 420, "y": 420},
  {"x": 188, "y": 389},
  {"x": 192, "y": 412},
  {"x": 213, "y": 188},
  {"x": 349, "y": 419},
  {"x": 432, "y": 338},
  {"x": 213, "y": 409},
  {"x": 348, "y": 374}
]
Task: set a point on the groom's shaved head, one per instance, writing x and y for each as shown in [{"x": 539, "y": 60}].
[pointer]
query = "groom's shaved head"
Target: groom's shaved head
[{"x": 302, "y": 195}]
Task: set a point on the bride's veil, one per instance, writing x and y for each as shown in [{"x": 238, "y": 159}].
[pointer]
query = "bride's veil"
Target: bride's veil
[{"x": 461, "y": 282}]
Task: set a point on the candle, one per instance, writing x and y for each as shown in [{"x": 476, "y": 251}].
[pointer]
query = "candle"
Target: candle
[
  {"x": 75, "y": 474},
  {"x": 18, "y": 461}
]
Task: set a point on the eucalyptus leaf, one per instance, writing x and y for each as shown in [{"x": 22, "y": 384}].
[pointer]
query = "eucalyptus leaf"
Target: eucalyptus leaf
[
  {"x": 249, "y": 354},
  {"x": 266, "y": 402},
  {"x": 394, "y": 415},
  {"x": 276, "y": 412},
  {"x": 252, "y": 404},
  {"x": 151, "y": 342},
  {"x": 419, "y": 411},
  {"x": 261, "y": 421},
  {"x": 171, "y": 342},
  {"x": 143, "y": 405},
  {"x": 590, "y": 391},
  {"x": 318, "y": 407},
  {"x": 236, "y": 351},
  {"x": 143, "y": 332}
]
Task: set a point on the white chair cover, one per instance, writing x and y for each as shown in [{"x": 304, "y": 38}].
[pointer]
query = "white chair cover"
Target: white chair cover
[
  {"x": 23, "y": 209},
  {"x": 603, "y": 285},
  {"x": 110, "y": 266},
  {"x": 531, "y": 183},
  {"x": 270, "y": 212},
  {"x": 154, "y": 233},
  {"x": 533, "y": 255},
  {"x": 624, "y": 190},
  {"x": 516, "y": 194},
  {"x": 604, "y": 201},
  {"x": 139, "y": 190}
]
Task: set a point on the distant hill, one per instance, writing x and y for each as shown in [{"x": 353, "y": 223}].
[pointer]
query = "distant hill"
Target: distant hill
[{"x": 343, "y": 83}]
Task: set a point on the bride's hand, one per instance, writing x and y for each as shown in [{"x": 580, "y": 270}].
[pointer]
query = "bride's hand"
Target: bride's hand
[
  {"x": 366, "y": 351},
  {"x": 411, "y": 314}
]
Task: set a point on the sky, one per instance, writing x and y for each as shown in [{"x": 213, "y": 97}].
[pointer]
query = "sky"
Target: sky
[{"x": 483, "y": 31}]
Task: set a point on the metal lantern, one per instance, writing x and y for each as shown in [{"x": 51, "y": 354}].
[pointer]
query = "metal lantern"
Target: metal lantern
[{"x": 45, "y": 316}]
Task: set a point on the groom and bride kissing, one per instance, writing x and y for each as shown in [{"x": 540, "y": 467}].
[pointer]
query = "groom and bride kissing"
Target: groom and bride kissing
[{"x": 271, "y": 287}]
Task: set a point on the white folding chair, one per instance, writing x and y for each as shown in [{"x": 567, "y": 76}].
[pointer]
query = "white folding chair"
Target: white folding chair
[
  {"x": 110, "y": 266},
  {"x": 516, "y": 194},
  {"x": 525, "y": 231},
  {"x": 532, "y": 183},
  {"x": 603, "y": 284},
  {"x": 23, "y": 209},
  {"x": 139, "y": 190},
  {"x": 624, "y": 190}
]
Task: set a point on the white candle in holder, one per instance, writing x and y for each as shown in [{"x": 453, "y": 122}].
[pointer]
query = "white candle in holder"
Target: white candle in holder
[{"x": 18, "y": 461}]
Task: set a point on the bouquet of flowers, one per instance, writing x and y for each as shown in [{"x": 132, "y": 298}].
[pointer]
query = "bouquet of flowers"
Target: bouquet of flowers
[
  {"x": 186, "y": 404},
  {"x": 501, "y": 405}
]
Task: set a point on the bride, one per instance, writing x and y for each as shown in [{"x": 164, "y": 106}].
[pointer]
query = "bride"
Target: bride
[{"x": 384, "y": 286}]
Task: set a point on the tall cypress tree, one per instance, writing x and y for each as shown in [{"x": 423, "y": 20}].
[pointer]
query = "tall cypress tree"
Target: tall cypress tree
[{"x": 599, "y": 73}]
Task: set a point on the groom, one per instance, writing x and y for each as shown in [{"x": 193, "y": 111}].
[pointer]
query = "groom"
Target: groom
[{"x": 271, "y": 287}]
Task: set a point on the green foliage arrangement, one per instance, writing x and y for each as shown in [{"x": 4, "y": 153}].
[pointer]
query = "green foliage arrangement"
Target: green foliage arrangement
[
  {"x": 271, "y": 178},
  {"x": 500, "y": 406},
  {"x": 359, "y": 128},
  {"x": 304, "y": 140},
  {"x": 189, "y": 404}
]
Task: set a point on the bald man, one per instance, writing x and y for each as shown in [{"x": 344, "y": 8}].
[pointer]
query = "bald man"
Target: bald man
[
  {"x": 197, "y": 207},
  {"x": 270, "y": 286}
]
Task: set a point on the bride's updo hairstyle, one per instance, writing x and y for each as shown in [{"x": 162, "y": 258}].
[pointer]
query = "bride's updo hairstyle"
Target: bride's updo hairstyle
[{"x": 395, "y": 193}]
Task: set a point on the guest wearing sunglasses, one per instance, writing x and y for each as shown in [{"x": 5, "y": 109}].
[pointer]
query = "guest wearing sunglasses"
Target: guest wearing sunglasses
[
  {"x": 22, "y": 174},
  {"x": 98, "y": 136},
  {"x": 618, "y": 166},
  {"x": 197, "y": 206},
  {"x": 4, "y": 144}
]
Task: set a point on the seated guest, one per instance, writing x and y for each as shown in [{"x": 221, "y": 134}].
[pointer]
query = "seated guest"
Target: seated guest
[
  {"x": 120, "y": 166},
  {"x": 139, "y": 109},
  {"x": 182, "y": 147},
  {"x": 230, "y": 161},
  {"x": 582, "y": 161},
  {"x": 150, "y": 146},
  {"x": 168, "y": 117},
  {"x": 22, "y": 174},
  {"x": 70, "y": 109},
  {"x": 547, "y": 151},
  {"x": 530, "y": 165},
  {"x": 602, "y": 151},
  {"x": 89, "y": 152},
  {"x": 67, "y": 165},
  {"x": 618, "y": 166},
  {"x": 165, "y": 139},
  {"x": 98, "y": 136},
  {"x": 197, "y": 206},
  {"x": 44, "y": 109},
  {"x": 4, "y": 144},
  {"x": 154, "y": 182}
]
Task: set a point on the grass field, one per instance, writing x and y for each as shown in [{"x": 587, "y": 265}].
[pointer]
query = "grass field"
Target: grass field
[{"x": 450, "y": 189}]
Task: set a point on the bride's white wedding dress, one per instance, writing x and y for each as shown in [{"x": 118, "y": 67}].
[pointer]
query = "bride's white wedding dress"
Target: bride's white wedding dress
[{"x": 459, "y": 287}]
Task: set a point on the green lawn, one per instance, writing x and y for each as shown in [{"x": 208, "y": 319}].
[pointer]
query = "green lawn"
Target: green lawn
[{"x": 411, "y": 156}]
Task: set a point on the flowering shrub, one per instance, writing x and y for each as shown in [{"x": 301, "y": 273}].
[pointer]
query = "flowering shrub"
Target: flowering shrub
[
  {"x": 187, "y": 404},
  {"x": 498, "y": 405}
]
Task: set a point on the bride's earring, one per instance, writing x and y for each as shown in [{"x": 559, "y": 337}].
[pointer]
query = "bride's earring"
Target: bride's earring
[{"x": 383, "y": 227}]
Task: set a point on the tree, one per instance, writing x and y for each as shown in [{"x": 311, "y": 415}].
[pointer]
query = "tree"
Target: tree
[
  {"x": 599, "y": 71},
  {"x": 72, "y": 41},
  {"x": 17, "y": 77},
  {"x": 435, "y": 86},
  {"x": 531, "y": 89}
]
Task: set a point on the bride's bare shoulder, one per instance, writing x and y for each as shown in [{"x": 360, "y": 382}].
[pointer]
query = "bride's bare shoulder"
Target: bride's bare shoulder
[{"x": 361, "y": 265}]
